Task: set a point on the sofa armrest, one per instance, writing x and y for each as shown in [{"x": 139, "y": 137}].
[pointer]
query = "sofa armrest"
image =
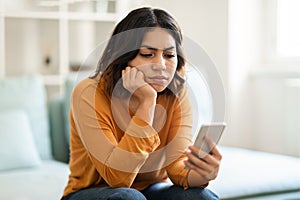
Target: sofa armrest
[{"x": 60, "y": 145}]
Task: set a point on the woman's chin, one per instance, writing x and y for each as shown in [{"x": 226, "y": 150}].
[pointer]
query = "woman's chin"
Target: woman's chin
[{"x": 158, "y": 88}]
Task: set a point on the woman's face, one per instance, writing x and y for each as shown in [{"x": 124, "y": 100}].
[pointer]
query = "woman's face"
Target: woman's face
[{"x": 157, "y": 58}]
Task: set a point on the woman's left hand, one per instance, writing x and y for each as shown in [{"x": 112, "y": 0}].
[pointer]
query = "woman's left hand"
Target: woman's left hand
[{"x": 204, "y": 164}]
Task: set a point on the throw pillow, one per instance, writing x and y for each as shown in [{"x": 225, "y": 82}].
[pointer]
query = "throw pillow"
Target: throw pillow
[{"x": 17, "y": 146}]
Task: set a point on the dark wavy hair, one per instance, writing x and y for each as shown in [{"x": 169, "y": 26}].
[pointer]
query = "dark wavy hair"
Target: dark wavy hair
[{"x": 125, "y": 43}]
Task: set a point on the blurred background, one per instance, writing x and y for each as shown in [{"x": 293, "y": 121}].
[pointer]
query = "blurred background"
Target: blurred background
[{"x": 255, "y": 45}]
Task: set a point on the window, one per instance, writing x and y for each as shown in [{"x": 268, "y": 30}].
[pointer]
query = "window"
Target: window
[{"x": 288, "y": 28}]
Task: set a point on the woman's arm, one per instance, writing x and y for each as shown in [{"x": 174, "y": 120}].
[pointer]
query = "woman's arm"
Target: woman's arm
[
  {"x": 179, "y": 138},
  {"x": 203, "y": 170},
  {"x": 117, "y": 159},
  {"x": 143, "y": 93}
]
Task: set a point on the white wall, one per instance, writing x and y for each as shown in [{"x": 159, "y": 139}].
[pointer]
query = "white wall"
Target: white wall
[
  {"x": 262, "y": 103},
  {"x": 245, "y": 28}
]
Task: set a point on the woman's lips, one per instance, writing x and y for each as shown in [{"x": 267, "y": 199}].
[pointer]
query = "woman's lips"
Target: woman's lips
[{"x": 158, "y": 79}]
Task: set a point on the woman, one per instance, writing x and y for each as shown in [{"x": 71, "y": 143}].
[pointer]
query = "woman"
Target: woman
[{"x": 131, "y": 122}]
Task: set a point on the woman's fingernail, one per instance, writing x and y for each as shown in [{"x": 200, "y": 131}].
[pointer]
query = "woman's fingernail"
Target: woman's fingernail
[
  {"x": 201, "y": 154},
  {"x": 187, "y": 151}
]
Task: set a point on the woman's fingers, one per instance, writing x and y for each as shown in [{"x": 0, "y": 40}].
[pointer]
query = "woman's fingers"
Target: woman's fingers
[
  {"x": 193, "y": 158},
  {"x": 132, "y": 79},
  {"x": 207, "y": 172},
  {"x": 139, "y": 75},
  {"x": 133, "y": 73},
  {"x": 214, "y": 157},
  {"x": 197, "y": 151},
  {"x": 216, "y": 153},
  {"x": 207, "y": 165}
]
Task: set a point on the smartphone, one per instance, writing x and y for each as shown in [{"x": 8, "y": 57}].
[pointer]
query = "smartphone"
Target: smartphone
[{"x": 209, "y": 136}]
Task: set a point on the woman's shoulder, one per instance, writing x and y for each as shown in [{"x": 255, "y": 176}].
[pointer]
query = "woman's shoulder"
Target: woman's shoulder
[
  {"x": 84, "y": 84},
  {"x": 88, "y": 87}
]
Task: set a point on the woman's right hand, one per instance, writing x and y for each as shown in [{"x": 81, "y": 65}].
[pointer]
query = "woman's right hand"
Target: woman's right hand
[{"x": 134, "y": 82}]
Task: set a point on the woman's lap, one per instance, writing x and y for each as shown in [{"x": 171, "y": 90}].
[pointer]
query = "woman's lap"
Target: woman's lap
[
  {"x": 168, "y": 191},
  {"x": 157, "y": 191},
  {"x": 106, "y": 193}
]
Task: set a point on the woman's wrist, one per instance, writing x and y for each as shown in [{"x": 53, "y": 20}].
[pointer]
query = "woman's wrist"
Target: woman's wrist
[
  {"x": 196, "y": 180},
  {"x": 145, "y": 110}
]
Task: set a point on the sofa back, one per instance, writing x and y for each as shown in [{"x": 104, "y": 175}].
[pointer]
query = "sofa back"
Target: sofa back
[
  {"x": 71, "y": 81},
  {"x": 28, "y": 94}
]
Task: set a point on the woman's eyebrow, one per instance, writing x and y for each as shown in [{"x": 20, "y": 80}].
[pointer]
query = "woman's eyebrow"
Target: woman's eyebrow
[{"x": 155, "y": 49}]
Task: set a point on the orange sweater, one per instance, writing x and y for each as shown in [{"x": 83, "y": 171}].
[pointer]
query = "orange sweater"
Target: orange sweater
[{"x": 112, "y": 147}]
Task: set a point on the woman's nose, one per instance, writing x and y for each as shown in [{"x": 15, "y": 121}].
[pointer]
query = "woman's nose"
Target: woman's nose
[{"x": 159, "y": 63}]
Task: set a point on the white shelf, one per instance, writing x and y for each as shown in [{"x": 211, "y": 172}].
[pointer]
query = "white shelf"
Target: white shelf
[
  {"x": 107, "y": 17},
  {"x": 63, "y": 33},
  {"x": 33, "y": 15}
]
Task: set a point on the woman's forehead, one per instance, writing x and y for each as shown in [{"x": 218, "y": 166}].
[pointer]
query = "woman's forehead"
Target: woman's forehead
[{"x": 159, "y": 38}]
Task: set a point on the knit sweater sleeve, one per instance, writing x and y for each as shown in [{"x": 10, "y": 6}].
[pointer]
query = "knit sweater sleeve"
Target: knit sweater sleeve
[
  {"x": 179, "y": 138},
  {"x": 117, "y": 159}
]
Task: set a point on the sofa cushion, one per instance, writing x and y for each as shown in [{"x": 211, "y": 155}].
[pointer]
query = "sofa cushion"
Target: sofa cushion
[
  {"x": 28, "y": 94},
  {"x": 246, "y": 172},
  {"x": 46, "y": 181},
  {"x": 17, "y": 147}
]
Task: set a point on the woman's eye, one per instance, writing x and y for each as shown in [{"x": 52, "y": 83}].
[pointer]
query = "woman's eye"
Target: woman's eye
[
  {"x": 170, "y": 55},
  {"x": 147, "y": 55}
]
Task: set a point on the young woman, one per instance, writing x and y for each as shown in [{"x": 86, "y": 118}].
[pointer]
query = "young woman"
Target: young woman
[{"x": 131, "y": 123}]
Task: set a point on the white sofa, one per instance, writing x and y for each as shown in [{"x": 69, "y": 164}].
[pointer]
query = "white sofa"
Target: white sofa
[
  {"x": 248, "y": 174},
  {"x": 33, "y": 148}
]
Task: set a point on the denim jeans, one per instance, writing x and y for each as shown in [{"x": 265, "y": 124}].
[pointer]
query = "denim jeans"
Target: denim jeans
[{"x": 157, "y": 191}]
